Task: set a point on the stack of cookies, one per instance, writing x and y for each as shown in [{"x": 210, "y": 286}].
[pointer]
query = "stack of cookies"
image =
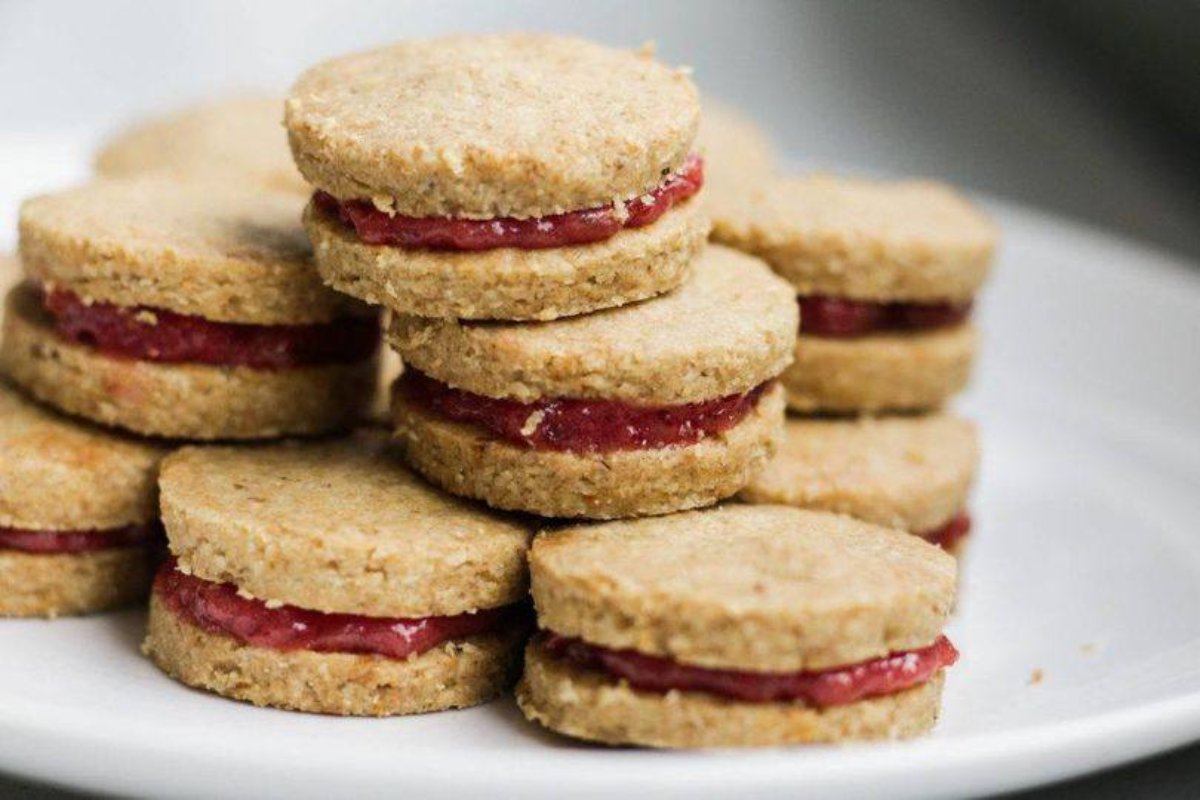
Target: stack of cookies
[{"x": 885, "y": 274}]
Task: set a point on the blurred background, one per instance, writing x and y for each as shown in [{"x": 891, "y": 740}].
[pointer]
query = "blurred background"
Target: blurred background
[{"x": 1088, "y": 109}]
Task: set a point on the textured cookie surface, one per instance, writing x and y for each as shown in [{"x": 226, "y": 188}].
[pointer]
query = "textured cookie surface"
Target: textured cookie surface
[
  {"x": 588, "y": 705},
  {"x": 628, "y": 483},
  {"x": 457, "y": 674},
  {"x": 511, "y": 283},
  {"x": 60, "y": 475},
  {"x": 882, "y": 372},
  {"x": 866, "y": 240},
  {"x": 520, "y": 125},
  {"x": 338, "y": 526},
  {"x": 729, "y": 328},
  {"x": 63, "y": 584},
  {"x": 214, "y": 249},
  {"x": 911, "y": 473},
  {"x": 10, "y": 276},
  {"x": 239, "y": 139},
  {"x": 184, "y": 401},
  {"x": 761, "y": 588}
]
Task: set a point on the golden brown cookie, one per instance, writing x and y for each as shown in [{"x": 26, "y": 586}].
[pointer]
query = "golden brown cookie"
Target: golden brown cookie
[
  {"x": 508, "y": 125},
  {"x": 908, "y": 472},
  {"x": 880, "y": 372},
  {"x": 863, "y": 240},
  {"x": 77, "y": 513},
  {"x": 183, "y": 401},
  {"x": 737, "y": 626},
  {"x": 729, "y": 328},
  {"x": 238, "y": 139},
  {"x": 393, "y": 545}
]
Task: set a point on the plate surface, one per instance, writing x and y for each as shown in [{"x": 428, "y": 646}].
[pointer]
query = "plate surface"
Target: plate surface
[{"x": 1079, "y": 625}]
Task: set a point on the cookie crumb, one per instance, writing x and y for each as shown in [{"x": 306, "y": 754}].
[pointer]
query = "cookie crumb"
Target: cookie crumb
[{"x": 1036, "y": 677}]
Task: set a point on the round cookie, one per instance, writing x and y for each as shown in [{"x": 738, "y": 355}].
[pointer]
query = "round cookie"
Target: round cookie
[
  {"x": 222, "y": 251},
  {"x": 252, "y": 516},
  {"x": 763, "y": 592},
  {"x": 180, "y": 401},
  {"x": 238, "y": 139},
  {"x": 509, "y": 125},
  {"x": 61, "y": 477},
  {"x": 911, "y": 473},
  {"x": 342, "y": 534},
  {"x": 880, "y": 372},
  {"x": 863, "y": 240},
  {"x": 729, "y": 328},
  {"x": 508, "y": 282}
]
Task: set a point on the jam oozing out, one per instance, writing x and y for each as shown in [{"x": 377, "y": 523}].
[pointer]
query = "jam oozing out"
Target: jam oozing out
[
  {"x": 823, "y": 688},
  {"x": 556, "y": 230},
  {"x": 52, "y": 542},
  {"x": 149, "y": 334},
  {"x": 576, "y": 425},
  {"x": 218, "y": 608},
  {"x": 950, "y": 534},
  {"x": 834, "y": 316}
]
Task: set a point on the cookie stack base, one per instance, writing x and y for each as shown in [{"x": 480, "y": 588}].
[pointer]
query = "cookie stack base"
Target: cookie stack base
[
  {"x": 52, "y": 585},
  {"x": 588, "y": 705},
  {"x": 455, "y": 675}
]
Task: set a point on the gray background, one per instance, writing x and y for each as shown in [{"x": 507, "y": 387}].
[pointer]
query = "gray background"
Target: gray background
[{"x": 1089, "y": 110}]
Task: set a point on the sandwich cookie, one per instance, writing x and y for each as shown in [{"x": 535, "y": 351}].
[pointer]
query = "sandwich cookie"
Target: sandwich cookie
[
  {"x": 184, "y": 309},
  {"x": 911, "y": 473},
  {"x": 325, "y": 577},
  {"x": 239, "y": 139},
  {"x": 78, "y": 513},
  {"x": 885, "y": 273},
  {"x": 649, "y": 408},
  {"x": 521, "y": 176},
  {"x": 737, "y": 626}
]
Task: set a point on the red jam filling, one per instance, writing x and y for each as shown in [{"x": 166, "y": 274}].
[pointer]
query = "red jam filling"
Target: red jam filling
[
  {"x": 950, "y": 534},
  {"x": 151, "y": 334},
  {"x": 218, "y": 608},
  {"x": 58, "y": 542},
  {"x": 587, "y": 426},
  {"x": 830, "y": 687},
  {"x": 556, "y": 230},
  {"x": 834, "y": 316}
]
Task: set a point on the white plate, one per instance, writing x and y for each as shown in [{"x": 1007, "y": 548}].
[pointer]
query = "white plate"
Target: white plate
[{"x": 1085, "y": 570}]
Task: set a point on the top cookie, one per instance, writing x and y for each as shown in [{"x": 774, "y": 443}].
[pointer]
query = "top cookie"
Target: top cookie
[
  {"x": 761, "y": 588},
  {"x": 338, "y": 526},
  {"x": 514, "y": 125},
  {"x": 911, "y": 473},
  {"x": 61, "y": 475},
  {"x": 863, "y": 240},
  {"x": 729, "y": 328},
  {"x": 222, "y": 251},
  {"x": 238, "y": 140}
]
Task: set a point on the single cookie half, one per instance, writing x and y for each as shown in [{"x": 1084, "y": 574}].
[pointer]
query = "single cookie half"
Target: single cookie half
[
  {"x": 645, "y": 409},
  {"x": 909, "y": 472},
  {"x": 78, "y": 513},
  {"x": 187, "y": 309},
  {"x": 499, "y": 177},
  {"x": 737, "y": 626},
  {"x": 239, "y": 139},
  {"x": 326, "y": 577}
]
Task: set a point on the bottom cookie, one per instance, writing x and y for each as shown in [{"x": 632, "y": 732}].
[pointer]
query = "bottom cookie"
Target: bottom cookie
[
  {"x": 62, "y": 584},
  {"x": 589, "y": 705},
  {"x": 456, "y": 674}
]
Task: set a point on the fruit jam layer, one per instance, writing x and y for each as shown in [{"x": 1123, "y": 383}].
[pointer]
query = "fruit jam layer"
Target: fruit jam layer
[
  {"x": 556, "y": 230},
  {"x": 820, "y": 689},
  {"x": 150, "y": 334},
  {"x": 218, "y": 608},
  {"x": 832, "y": 316},
  {"x": 581, "y": 426},
  {"x": 63, "y": 542},
  {"x": 950, "y": 534}
]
